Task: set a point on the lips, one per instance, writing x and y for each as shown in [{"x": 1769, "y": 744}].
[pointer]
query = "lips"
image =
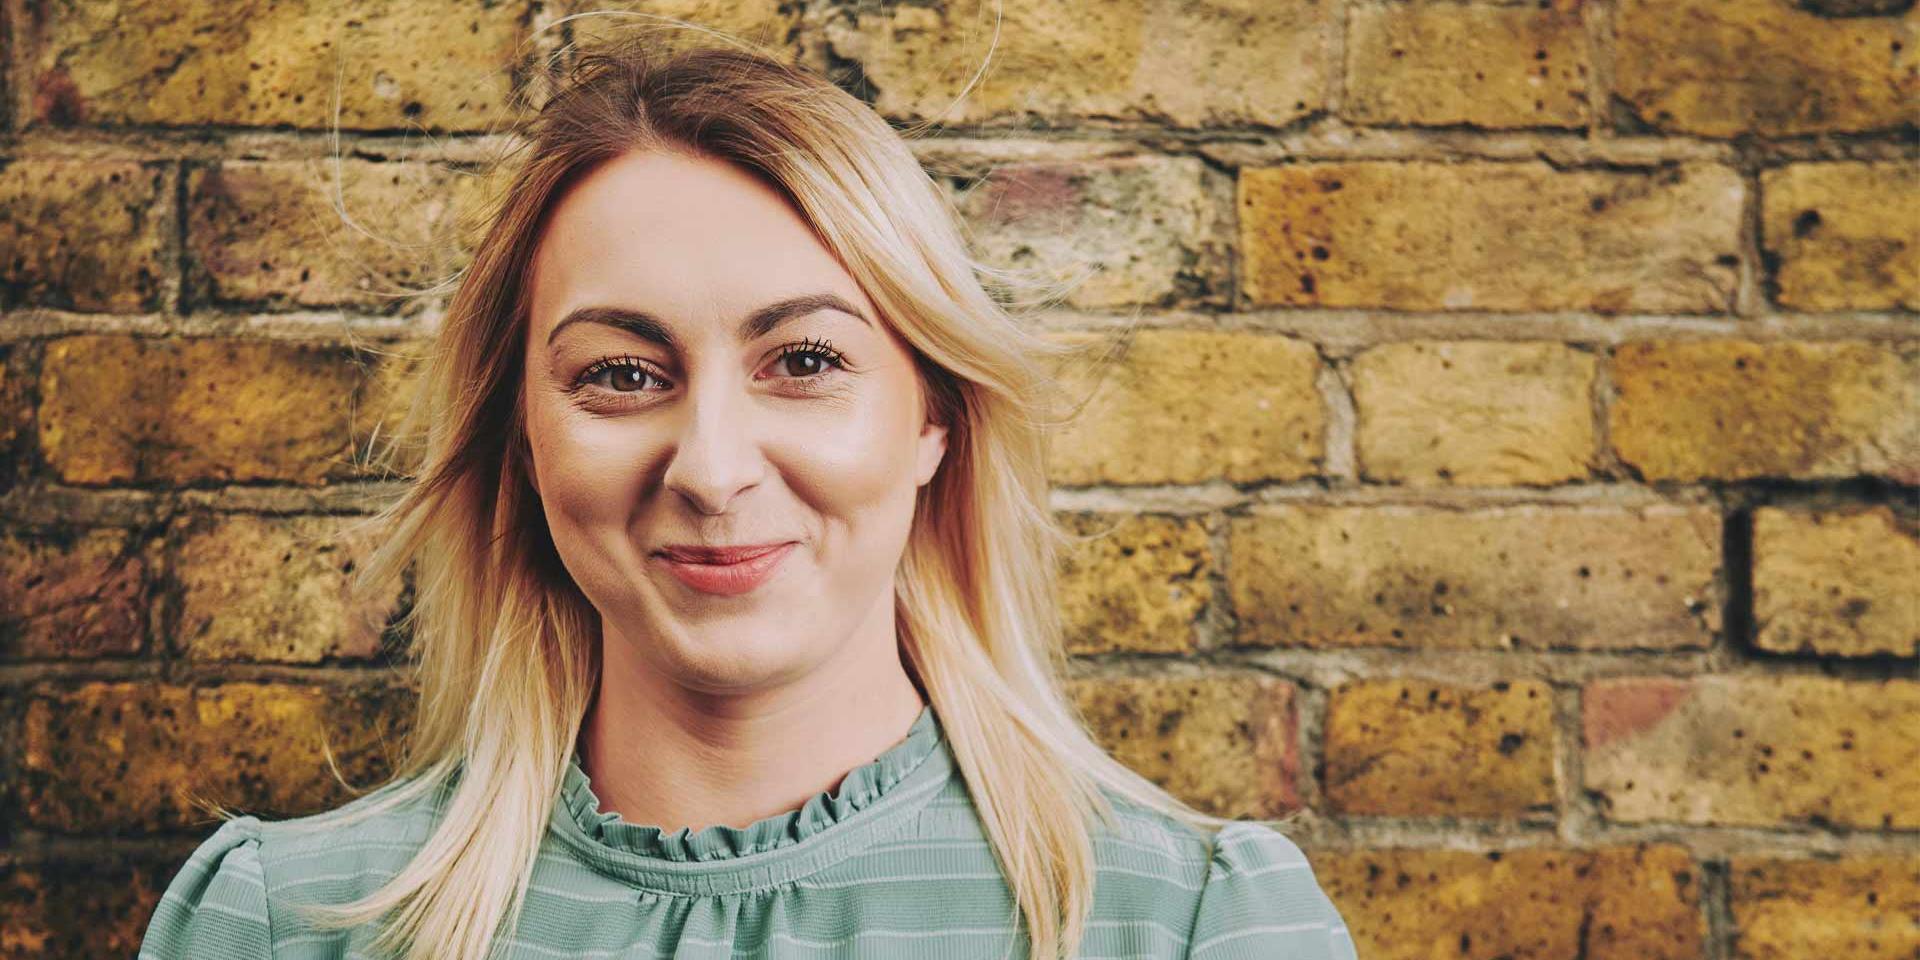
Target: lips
[
  {"x": 755, "y": 564},
  {"x": 689, "y": 553}
]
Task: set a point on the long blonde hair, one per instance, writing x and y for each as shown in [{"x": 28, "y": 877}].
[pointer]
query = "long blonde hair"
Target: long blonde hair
[{"x": 506, "y": 647}]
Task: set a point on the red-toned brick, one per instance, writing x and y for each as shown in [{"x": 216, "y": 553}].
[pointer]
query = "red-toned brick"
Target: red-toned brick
[
  {"x": 72, "y": 594},
  {"x": 1754, "y": 751}
]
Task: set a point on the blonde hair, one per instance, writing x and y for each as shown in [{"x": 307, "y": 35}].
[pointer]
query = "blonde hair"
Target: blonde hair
[{"x": 506, "y": 647}]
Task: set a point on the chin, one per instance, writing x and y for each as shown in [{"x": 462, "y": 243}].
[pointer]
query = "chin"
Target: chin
[{"x": 735, "y": 660}]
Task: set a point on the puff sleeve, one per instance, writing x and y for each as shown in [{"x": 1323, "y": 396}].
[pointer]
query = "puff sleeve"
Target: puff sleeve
[
  {"x": 1261, "y": 902},
  {"x": 216, "y": 906}
]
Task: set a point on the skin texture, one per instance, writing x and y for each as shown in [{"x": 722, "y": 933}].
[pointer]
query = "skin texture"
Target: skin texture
[{"x": 716, "y": 709}]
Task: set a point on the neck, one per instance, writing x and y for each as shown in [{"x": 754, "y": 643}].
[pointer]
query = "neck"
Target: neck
[{"x": 667, "y": 756}]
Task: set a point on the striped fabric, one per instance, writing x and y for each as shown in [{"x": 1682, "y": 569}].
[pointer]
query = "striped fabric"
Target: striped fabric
[{"x": 893, "y": 863}]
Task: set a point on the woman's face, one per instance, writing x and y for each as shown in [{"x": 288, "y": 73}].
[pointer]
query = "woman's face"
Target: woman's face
[{"x": 703, "y": 373}]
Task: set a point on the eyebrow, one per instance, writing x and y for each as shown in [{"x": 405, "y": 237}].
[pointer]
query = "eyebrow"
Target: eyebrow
[{"x": 757, "y": 324}]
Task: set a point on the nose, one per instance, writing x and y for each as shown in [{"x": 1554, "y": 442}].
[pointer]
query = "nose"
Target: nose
[{"x": 716, "y": 453}]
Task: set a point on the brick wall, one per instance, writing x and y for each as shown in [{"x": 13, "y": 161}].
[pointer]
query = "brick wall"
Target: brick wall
[{"x": 1516, "y": 467}]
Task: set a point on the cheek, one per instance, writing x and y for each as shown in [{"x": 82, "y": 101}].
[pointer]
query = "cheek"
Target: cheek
[
  {"x": 585, "y": 466},
  {"x": 854, "y": 456}
]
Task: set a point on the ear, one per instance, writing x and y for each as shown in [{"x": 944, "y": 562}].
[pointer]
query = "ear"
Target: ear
[{"x": 931, "y": 448}]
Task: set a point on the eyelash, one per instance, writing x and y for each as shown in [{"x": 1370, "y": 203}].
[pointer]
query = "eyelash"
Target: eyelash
[{"x": 823, "y": 349}]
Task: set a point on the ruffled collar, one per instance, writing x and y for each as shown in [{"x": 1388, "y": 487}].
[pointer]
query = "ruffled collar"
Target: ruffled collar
[{"x": 717, "y": 859}]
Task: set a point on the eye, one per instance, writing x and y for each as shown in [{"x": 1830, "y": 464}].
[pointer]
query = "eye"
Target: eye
[
  {"x": 619, "y": 374},
  {"x": 809, "y": 359}
]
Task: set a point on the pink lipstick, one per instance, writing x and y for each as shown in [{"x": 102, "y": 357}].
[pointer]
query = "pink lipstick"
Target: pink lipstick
[{"x": 726, "y": 571}]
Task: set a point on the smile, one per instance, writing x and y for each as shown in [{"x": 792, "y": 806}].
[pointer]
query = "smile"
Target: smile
[{"x": 727, "y": 579}]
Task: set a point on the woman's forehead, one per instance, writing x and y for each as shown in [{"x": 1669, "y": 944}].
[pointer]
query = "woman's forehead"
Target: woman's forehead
[{"x": 692, "y": 240}]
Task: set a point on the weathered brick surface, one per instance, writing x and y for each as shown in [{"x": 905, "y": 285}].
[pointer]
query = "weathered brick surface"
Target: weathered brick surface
[
  {"x": 1416, "y": 748},
  {"x": 1467, "y": 412},
  {"x": 78, "y": 593},
  {"x": 1396, "y": 440},
  {"x": 274, "y": 588},
  {"x": 1185, "y": 65},
  {"x": 1226, "y": 745},
  {"x": 17, "y": 404},
  {"x": 1144, "y": 423},
  {"x": 78, "y": 909},
  {"x": 439, "y": 64},
  {"x": 1722, "y": 68},
  {"x": 767, "y": 22},
  {"x": 1490, "y": 236},
  {"x": 87, "y": 234},
  {"x": 113, "y": 756},
  {"x": 1481, "y": 64},
  {"x": 1735, "y": 409},
  {"x": 16, "y": 407},
  {"x": 1861, "y": 908},
  {"x": 1135, "y": 230},
  {"x": 1755, "y": 751},
  {"x": 1835, "y": 583},
  {"x": 1613, "y": 903},
  {"x": 294, "y": 233},
  {"x": 1135, "y": 583},
  {"x": 1841, "y": 235},
  {"x": 117, "y": 410},
  {"x": 1525, "y": 577}
]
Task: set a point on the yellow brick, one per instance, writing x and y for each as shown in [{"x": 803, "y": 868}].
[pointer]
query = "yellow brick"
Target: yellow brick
[
  {"x": 1860, "y": 908},
  {"x": 1125, "y": 231},
  {"x": 1478, "y": 64},
  {"x": 1189, "y": 407},
  {"x": 1614, "y": 903},
  {"x": 138, "y": 756},
  {"x": 1414, "y": 748},
  {"x": 1735, "y": 410},
  {"x": 1465, "y": 412},
  {"x": 284, "y": 232},
  {"x": 16, "y": 408},
  {"x": 1224, "y": 744},
  {"x": 1843, "y": 236},
  {"x": 1490, "y": 236},
  {"x": 438, "y": 64},
  {"x": 1524, "y": 577},
  {"x": 1232, "y": 63},
  {"x": 759, "y": 22},
  {"x": 123, "y": 409},
  {"x": 1136, "y": 583},
  {"x": 1835, "y": 583},
  {"x": 1722, "y": 68},
  {"x": 274, "y": 588},
  {"x": 88, "y": 234},
  {"x": 1755, "y": 751},
  {"x": 16, "y": 416}
]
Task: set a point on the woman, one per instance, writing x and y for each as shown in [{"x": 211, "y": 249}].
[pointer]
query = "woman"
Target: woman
[{"x": 733, "y": 510}]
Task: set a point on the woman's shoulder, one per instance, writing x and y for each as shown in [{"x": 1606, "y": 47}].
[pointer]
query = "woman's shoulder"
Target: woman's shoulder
[
  {"x": 216, "y": 905},
  {"x": 346, "y": 852},
  {"x": 1236, "y": 846},
  {"x": 1243, "y": 890},
  {"x": 1262, "y": 899},
  {"x": 222, "y": 900}
]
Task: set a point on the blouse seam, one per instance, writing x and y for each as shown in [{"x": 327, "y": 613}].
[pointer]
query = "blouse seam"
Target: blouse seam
[
  {"x": 266, "y": 887},
  {"x": 881, "y": 832}
]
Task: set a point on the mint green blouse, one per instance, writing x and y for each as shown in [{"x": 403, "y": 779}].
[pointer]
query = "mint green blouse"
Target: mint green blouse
[{"x": 894, "y": 862}]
